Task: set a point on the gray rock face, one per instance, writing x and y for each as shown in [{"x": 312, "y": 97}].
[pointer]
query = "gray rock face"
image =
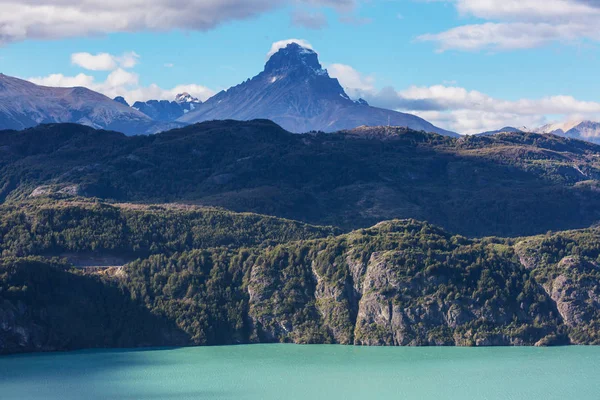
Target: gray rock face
[
  {"x": 390, "y": 298},
  {"x": 24, "y": 105},
  {"x": 577, "y": 297},
  {"x": 573, "y": 288},
  {"x": 17, "y": 331},
  {"x": 121, "y": 99},
  {"x": 385, "y": 319},
  {"x": 298, "y": 94}
]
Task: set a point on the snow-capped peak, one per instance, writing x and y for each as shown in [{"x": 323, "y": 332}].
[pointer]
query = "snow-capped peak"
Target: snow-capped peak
[
  {"x": 186, "y": 98},
  {"x": 559, "y": 126},
  {"x": 294, "y": 57}
]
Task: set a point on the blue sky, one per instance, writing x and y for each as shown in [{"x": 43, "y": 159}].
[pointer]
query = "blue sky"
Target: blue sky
[{"x": 482, "y": 64}]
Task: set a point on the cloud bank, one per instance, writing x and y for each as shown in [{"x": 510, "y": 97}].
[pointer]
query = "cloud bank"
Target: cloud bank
[
  {"x": 120, "y": 81},
  {"x": 461, "y": 110},
  {"x": 55, "y": 19},
  {"x": 520, "y": 24}
]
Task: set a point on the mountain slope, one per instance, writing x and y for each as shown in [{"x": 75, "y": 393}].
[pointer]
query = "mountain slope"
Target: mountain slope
[
  {"x": 24, "y": 105},
  {"x": 167, "y": 111},
  {"x": 297, "y": 93},
  {"x": 584, "y": 130},
  {"x": 505, "y": 129},
  {"x": 510, "y": 184}
]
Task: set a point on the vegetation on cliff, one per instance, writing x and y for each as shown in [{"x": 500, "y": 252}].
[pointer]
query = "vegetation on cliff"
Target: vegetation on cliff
[
  {"x": 397, "y": 283},
  {"x": 53, "y": 228}
]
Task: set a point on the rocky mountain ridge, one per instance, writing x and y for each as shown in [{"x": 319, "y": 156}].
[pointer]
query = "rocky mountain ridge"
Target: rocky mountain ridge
[
  {"x": 296, "y": 92},
  {"x": 24, "y": 105},
  {"x": 168, "y": 111},
  {"x": 577, "y": 129}
]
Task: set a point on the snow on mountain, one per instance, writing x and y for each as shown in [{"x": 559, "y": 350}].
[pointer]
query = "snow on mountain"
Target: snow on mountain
[
  {"x": 186, "y": 98},
  {"x": 296, "y": 92},
  {"x": 578, "y": 129},
  {"x": 168, "y": 111}
]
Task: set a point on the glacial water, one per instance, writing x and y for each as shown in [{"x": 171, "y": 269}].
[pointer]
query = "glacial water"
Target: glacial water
[{"x": 289, "y": 372}]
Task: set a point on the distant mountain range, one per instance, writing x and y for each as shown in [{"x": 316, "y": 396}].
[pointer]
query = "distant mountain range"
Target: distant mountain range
[
  {"x": 167, "y": 111},
  {"x": 584, "y": 130},
  {"x": 24, "y": 105},
  {"x": 297, "y": 93},
  {"x": 293, "y": 90}
]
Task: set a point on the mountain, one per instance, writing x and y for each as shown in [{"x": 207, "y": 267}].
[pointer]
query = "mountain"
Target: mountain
[
  {"x": 112, "y": 241},
  {"x": 181, "y": 280},
  {"x": 503, "y": 130},
  {"x": 513, "y": 184},
  {"x": 24, "y": 104},
  {"x": 584, "y": 130},
  {"x": 121, "y": 99},
  {"x": 167, "y": 111},
  {"x": 297, "y": 93}
]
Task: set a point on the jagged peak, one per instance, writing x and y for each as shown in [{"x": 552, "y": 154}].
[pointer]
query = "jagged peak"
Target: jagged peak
[
  {"x": 295, "y": 56},
  {"x": 185, "y": 97},
  {"x": 564, "y": 126},
  {"x": 121, "y": 99}
]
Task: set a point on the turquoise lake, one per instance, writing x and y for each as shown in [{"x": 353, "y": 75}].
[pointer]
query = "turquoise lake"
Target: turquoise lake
[{"x": 306, "y": 372}]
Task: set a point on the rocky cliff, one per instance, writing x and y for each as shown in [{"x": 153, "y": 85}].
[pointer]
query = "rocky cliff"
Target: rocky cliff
[{"x": 400, "y": 283}]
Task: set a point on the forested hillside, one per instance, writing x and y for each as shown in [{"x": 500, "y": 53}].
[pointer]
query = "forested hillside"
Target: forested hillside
[
  {"x": 511, "y": 184},
  {"x": 397, "y": 283},
  {"x": 52, "y": 228}
]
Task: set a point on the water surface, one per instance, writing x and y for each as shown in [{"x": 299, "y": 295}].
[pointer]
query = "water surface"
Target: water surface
[{"x": 306, "y": 372}]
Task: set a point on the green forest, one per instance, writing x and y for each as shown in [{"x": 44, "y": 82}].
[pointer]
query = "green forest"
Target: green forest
[
  {"x": 239, "y": 232},
  {"x": 401, "y": 282}
]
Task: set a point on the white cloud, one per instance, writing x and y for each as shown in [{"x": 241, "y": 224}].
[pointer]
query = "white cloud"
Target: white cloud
[
  {"x": 128, "y": 60},
  {"x": 119, "y": 81},
  {"x": 470, "y": 111},
  {"x": 53, "y": 19},
  {"x": 120, "y": 78},
  {"x": 153, "y": 91},
  {"x": 528, "y": 10},
  {"x": 471, "y": 122},
  {"x": 59, "y": 80},
  {"x": 283, "y": 43},
  {"x": 462, "y": 110},
  {"x": 520, "y": 24},
  {"x": 104, "y": 61},
  {"x": 355, "y": 84},
  {"x": 98, "y": 62}
]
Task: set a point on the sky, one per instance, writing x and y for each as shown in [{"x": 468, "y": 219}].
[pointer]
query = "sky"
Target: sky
[{"x": 464, "y": 65}]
